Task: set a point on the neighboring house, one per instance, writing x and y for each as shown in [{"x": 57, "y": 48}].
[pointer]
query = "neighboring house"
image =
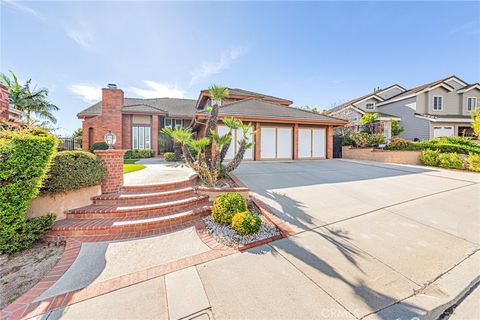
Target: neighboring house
[
  {"x": 438, "y": 108},
  {"x": 282, "y": 131},
  {"x": 7, "y": 111}
]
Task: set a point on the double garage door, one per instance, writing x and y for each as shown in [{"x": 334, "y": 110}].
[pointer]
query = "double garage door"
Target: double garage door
[
  {"x": 277, "y": 143},
  {"x": 446, "y": 131}
]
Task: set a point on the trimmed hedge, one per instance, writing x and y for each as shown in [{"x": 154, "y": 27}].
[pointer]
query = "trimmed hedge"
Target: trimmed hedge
[
  {"x": 226, "y": 205},
  {"x": 24, "y": 160},
  {"x": 444, "y": 144},
  {"x": 138, "y": 154},
  {"x": 246, "y": 223},
  {"x": 473, "y": 162},
  {"x": 98, "y": 146},
  {"x": 73, "y": 170}
]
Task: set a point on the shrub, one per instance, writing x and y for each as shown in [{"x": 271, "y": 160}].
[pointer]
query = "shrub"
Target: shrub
[
  {"x": 138, "y": 154},
  {"x": 169, "y": 156},
  {"x": 396, "y": 128},
  {"x": 450, "y": 160},
  {"x": 73, "y": 170},
  {"x": 226, "y": 205},
  {"x": 99, "y": 146},
  {"x": 24, "y": 161},
  {"x": 375, "y": 139},
  {"x": 473, "y": 162},
  {"x": 360, "y": 139},
  {"x": 246, "y": 223},
  {"x": 399, "y": 144},
  {"x": 430, "y": 157}
]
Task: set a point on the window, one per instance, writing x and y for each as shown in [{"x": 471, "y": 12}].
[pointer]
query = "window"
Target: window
[
  {"x": 437, "y": 103},
  {"x": 141, "y": 137},
  {"x": 178, "y": 124},
  {"x": 167, "y": 123},
  {"x": 370, "y": 106},
  {"x": 471, "y": 103}
]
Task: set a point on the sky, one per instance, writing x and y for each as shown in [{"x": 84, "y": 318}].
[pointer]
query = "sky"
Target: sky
[{"x": 317, "y": 54}]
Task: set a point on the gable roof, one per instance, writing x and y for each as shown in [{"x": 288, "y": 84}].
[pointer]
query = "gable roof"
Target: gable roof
[
  {"x": 170, "y": 106},
  {"x": 469, "y": 87},
  {"x": 353, "y": 101},
  {"x": 256, "y": 108},
  {"x": 245, "y": 94}
]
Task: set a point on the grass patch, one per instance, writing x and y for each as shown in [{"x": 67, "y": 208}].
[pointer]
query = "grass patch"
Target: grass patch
[
  {"x": 129, "y": 161},
  {"x": 131, "y": 167}
]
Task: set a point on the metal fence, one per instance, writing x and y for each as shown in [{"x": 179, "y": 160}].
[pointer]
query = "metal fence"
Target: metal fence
[{"x": 69, "y": 143}]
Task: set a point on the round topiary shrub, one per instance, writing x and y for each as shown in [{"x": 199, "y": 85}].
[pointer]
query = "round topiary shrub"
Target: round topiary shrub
[
  {"x": 246, "y": 223},
  {"x": 226, "y": 206},
  {"x": 169, "y": 156},
  {"x": 73, "y": 170},
  {"x": 99, "y": 146}
]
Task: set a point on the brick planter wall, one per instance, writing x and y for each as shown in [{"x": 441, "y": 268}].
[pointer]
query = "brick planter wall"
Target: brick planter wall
[
  {"x": 3, "y": 103},
  {"x": 113, "y": 161},
  {"x": 390, "y": 156}
]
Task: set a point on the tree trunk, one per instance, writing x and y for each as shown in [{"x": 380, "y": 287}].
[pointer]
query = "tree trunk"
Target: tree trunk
[
  {"x": 211, "y": 126},
  {"x": 188, "y": 157},
  {"x": 223, "y": 152},
  {"x": 237, "y": 159},
  {"x": 177, "y": 149}
]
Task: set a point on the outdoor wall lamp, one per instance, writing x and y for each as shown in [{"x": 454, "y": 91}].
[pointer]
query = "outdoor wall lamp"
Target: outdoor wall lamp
[{"x": 110, "y": 139}]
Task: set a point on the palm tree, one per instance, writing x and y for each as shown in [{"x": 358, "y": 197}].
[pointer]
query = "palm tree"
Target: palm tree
[
  {"x": 217, "y": 95},
  {"x": 31, "y": 101}
]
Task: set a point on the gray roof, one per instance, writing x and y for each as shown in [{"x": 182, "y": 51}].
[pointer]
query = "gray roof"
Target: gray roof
[
  {"x": 171, "y": 106},
  {"x": 263, "y": 109},
  {"x": 241, "y": 92}
]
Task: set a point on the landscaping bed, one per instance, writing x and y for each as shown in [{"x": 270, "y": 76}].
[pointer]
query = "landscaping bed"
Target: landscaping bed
[
  {"x": 225, "y": 234},
  {"x": 21, "y": 272}
]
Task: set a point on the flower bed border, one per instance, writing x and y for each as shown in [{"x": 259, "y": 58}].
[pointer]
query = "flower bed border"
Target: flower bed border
[{"x": 212, "y": 192}]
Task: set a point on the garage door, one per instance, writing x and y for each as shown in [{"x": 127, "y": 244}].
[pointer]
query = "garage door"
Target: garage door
[
  {"x": 276, "y": 143},
  {"x": 234, "y": 145},
  {"x": 311, "y": 143},
  {"x": 443, "y": 131}
]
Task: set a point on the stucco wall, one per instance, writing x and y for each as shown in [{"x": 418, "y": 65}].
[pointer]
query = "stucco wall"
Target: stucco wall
[
  {"x": 388, "y": 156},
  {"x": 60, "y": 202},
  {"x": 405, "y": 109}
]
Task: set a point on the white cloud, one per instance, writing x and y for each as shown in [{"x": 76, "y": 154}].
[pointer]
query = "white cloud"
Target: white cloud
[
  {"x": 87, "y": 92},
  {"x": 209, "y": 68},
  {"x": 22, "y": 7},
  {"x": 82, "y": 37},
  {"x": 158, "y": 90}
]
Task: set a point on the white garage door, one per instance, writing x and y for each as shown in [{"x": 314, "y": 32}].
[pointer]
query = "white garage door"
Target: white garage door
[
  {"x": 276, "y": 143},
  {"x": 311, "y": 143},
  {"x": 443, "y": 131},
  {"x": 234, "y": 145}
]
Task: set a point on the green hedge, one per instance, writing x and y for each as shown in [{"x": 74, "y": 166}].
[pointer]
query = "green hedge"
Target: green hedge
[
  {"x": 138, "y": 154},
  {"x": 444, "y": 144},
  {"x": 169, "y": 156},
  {"x": 98, "y": 146},
  {"x": 226, "y": 205},
  {"x": 24, "y": 160},
  {"x": 73, "y": 170}
]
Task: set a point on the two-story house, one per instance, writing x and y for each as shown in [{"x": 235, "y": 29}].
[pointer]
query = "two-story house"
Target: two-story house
[{"x": 434, "y": 109}]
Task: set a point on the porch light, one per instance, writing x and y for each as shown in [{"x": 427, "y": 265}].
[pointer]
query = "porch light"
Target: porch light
[{"x": 110, "y": 139}]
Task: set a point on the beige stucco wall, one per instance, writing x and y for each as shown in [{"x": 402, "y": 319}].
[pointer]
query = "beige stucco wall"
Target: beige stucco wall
[
  {"x": 60, "y": 202},
  {"x": 363, "y": 105},
  {"x": 402, "y": 157},
  {"x": 453, "y": 103},
  {"x": 474, "y": 93},
  {"x": 141, "y": 119}
]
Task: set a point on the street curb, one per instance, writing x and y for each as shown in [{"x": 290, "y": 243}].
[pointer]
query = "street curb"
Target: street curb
[{"x": 432, "y": 301}]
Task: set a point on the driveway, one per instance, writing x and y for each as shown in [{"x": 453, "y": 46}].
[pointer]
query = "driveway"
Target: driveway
[{"x": 372, "y": 241}]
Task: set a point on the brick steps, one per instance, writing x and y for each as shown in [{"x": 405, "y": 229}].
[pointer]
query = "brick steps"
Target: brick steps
[
  {"x": 134, "y": 211},
  {"x": 123, "y": 226},
  {"x": 142, "y": 197}
]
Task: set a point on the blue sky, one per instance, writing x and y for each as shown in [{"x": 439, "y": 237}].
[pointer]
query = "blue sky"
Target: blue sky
[{"x": 314, "y": 53}]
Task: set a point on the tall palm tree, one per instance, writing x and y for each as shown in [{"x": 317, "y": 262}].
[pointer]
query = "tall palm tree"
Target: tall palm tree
[
  {"x": 31, "y": 101},
  {"x": 217, "y": 95}
]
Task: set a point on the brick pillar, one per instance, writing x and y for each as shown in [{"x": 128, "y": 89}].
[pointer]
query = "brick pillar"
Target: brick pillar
[
  {"x": 258, "y": 137},
  {"x": 295, "y": 141},
  {"x": 155, "y": 134},
  {"x": 113, "y": 161},
  {"x": 3, "y": 103},
  {"x": 330, "y": 142},
  {"x": 111, "y": 117}
]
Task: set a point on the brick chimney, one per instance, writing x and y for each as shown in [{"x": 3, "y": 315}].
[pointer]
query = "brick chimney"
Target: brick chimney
[
  {"x": 3, "y": 102},
  {"x": 111, "y": 118}
]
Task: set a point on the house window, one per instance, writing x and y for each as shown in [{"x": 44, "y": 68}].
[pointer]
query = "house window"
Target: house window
[
  {"x": 370, "y": 106},
  {"x": 437, "y": 103},
  {"x": 141, "y": 137},
  {"x": 178, "y": 124},
  {"x": 471, "y": 103},
  {"x": 167, "y": 123}
]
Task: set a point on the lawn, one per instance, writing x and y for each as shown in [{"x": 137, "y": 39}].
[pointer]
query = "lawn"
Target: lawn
[{"x": 130, "y": 166}]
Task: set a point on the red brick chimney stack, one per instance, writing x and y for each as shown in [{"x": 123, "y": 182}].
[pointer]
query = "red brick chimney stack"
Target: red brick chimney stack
[{"x": 111, "y": 117}]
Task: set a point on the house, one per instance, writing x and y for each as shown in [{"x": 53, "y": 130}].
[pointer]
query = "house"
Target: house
[
  {"x": 282, "y": 131},
  {"x": 434, "y": 109},
  {"x": 7, "y": 111}
]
